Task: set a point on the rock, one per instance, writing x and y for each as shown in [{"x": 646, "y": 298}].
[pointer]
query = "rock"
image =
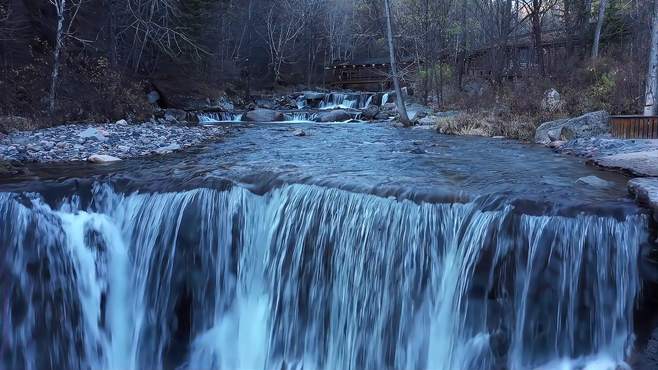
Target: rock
[
  {"x": 153, "y": 97},
  {"x": 10, "y": 124},
  {"x": 557, "y": 144},
  {"x": 595, "y": 181},
  {"x": 588, "y": 125},
  {"x": 644, "y": 163},
  {"x": 168, "y": 149},
  {"x": 299, "y": 132},
  {"x": 428, "y": 121},
  {"x": 382, "y": 116},
  {"x": 370, "y": 112},
  {"x": 225, "y": 103},
  {"x": 551, "y": 101},
  {"x": 339, "y": 115},
  {"x": 175, "y": 115},
  {"x": 263, "y": 115},
  {"x": 102, "y": 158},
  {"x": 121, "y": 122},
  {"x": 645, "y": 190},
  {"x": 314, "y": 95},
  {"x": 91, "y": 133}
]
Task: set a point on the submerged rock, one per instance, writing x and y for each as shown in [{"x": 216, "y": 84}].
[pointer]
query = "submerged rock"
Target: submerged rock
[
  {"x": 263, "y": 115},
  {"x": 102, "y": 158},
  {"x": 339, "y": 115},
  {"x": 299, "y": 132},
  {"x": 595, "y": 181},
  {"x": 168, "y": 149}
]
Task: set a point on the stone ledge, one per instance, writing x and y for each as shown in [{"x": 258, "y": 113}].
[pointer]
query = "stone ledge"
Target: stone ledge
[{"x": 644, "y": 163}]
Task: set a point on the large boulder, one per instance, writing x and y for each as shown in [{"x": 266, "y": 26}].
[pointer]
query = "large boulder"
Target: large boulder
[
  {"x": 588, "y": 125},
  {"x": 339, "y": 115},
  {"x": 549, "y": 131},
  {"x": 370, "y": 112},
  {"x": 263, "y": 115}
]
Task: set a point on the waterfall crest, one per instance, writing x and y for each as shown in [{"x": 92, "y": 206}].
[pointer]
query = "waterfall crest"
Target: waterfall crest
[{"x": 309, "y": 277}]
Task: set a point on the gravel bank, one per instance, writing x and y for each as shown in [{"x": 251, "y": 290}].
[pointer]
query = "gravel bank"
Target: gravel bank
[{"x": 118, "y": 140}]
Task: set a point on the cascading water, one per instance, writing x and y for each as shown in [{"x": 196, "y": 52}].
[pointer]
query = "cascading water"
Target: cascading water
[
  {"x": 306, "y": 277},
  {"x": 385, "y": 99},
  {"x": 300, "y": 116},
  {"x": 214, "y": 117},
  {"x": 346, "y": 101}
]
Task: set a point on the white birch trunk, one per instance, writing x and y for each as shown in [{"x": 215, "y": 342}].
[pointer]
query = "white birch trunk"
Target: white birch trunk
[{"x": 650, "y": 106}]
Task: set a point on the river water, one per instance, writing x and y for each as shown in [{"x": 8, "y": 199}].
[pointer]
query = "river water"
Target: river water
[{"x": 358, "y": 246}]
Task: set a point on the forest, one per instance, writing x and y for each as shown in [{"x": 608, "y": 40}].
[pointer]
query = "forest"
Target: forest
[{"x": 96, "y": 59}]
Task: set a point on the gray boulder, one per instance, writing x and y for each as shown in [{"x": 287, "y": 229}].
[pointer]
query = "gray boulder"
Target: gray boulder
[
  {"x": 370, "y": 112},
  {"x": 551, "y": 101},
  {"x": 263, "y": 115},
  {"x": 339, "y": 115},
  {"x": 549, "y": 131},
  {"x": 588, "y": 125}
]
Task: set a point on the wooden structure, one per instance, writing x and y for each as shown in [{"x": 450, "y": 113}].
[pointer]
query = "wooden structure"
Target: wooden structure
[
  {"x": 368, "y": 74},
  {"x": 521, "y": 56},
  {"x": 634, "y": 127}
]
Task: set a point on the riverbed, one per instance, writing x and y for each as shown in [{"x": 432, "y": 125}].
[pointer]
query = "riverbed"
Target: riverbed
[{"x": 355, "y": 246}]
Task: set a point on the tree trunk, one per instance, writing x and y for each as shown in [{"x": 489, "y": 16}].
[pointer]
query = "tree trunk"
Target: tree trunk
[
  {"x": 599, "y": 26},
  {"x": 650, "y": 106},
  {"x": 60, "y": 6},
  {"x": 404, "y": 118},
  {"x": 536, "y": 32}
]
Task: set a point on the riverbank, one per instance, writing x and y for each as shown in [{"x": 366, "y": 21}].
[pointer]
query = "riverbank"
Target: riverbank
[{"x": 98, "y": 143}]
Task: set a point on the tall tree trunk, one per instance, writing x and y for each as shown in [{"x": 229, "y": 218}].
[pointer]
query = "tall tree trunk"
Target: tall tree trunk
[
  {"x": 60, "y": 6},
  {"x": 402, "y": 109},
  {"x": 536, "y": 33},
  {"x": 650, "y": 106},
  {"x": 599, "y": 26}
]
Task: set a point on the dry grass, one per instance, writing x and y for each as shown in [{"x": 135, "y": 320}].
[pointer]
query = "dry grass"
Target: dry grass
[{"x": 489, "y": 123}]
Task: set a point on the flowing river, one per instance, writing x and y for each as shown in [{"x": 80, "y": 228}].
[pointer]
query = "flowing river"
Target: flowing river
[{"x": 358, "y": 246}]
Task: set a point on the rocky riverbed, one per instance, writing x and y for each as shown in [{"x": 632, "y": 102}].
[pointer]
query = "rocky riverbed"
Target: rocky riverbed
[{"x": 102, "y": 142}]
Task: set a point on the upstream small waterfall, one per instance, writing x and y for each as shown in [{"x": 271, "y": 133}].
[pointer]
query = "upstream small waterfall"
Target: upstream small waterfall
[
  {"x": 306, "y": 277},
  {"x": 214, "y": 117},
  {"x": 346, "y": 100}
]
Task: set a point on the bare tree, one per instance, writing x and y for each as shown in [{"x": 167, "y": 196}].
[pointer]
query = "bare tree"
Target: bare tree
[
  {"x": 404, "y": 118},
  {"x": 285, "y": 22},
  {"x": 599, "y": 26},
  {"x": 650, "y": 105},
  {"x": 60, "y": 8}
]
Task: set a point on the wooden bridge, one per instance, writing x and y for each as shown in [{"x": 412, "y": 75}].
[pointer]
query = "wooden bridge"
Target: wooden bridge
[{"x": 634, "y": 127}]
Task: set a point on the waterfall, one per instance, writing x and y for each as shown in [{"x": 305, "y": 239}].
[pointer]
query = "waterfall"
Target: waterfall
[
  {"x": 306, "y": 277},
  {"x": 214, "y": 117},
  {"x": 300, "y": 116},
  {"x": 384, "y": 99}
]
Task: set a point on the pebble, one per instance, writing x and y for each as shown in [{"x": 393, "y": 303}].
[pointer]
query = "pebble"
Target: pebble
[{"x": 79, "y": 142}]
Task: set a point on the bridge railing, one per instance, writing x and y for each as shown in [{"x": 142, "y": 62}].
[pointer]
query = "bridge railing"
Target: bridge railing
[{"x": 634, "y": 127}]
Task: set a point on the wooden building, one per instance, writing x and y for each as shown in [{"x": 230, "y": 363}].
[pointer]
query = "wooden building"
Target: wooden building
[
  {"x": 368, "y": 74},
  {"x": 522, "y": 57}
]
